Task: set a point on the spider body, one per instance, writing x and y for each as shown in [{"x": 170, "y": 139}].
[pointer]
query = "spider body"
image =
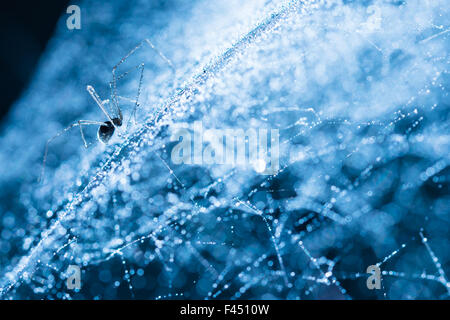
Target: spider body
[{"x": 106, "y": 130}]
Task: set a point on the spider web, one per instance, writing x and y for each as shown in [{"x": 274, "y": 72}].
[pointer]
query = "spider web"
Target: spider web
[{"x": 360, "y": 101}]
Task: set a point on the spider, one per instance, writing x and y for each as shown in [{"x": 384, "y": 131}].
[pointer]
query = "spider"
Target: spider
[{"x": 107, "y": 128}]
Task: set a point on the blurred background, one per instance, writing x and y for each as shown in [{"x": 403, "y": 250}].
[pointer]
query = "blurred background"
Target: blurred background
[{"x": 25, "y": 29}]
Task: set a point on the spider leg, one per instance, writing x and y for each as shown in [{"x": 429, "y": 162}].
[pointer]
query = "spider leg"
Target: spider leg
[
  {"x": 99, "y": 102},
  {"x": 78, "y": 123},
  {"x": 114, "y": 81},
  {"x": 137, "y": 95},
  {"x": 86, "y": 122},
  {"x": 149, "y": 43},
  {"x": 163, "y": 57},
  {"x": 139, "y": 67}
]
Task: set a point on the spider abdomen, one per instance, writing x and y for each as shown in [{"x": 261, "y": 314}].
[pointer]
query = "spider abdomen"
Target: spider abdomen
[{"x": 106, "y": 131}]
